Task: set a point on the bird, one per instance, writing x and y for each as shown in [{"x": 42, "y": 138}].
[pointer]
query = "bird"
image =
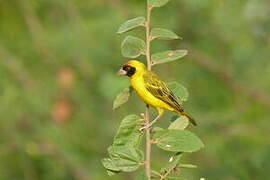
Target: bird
[{"x": 152, "y": 90}]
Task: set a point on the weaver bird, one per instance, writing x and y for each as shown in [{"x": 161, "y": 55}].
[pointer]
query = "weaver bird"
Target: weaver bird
[{"x": 152, "y": 90}]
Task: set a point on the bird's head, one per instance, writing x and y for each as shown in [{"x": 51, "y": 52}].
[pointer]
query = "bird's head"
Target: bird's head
[{"x": 132, "y": 67}]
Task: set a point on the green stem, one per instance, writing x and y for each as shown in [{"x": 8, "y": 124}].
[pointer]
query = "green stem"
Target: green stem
[{"x": 165, "y": 175}]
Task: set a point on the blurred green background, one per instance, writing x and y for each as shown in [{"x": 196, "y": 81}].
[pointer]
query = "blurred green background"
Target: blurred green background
[{"x": 58, "y": 61}]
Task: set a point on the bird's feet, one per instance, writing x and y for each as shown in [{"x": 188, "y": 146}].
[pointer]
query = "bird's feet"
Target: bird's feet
[
  {"x": 146, "y": 126},
  {"x": 143, "y": 123}
]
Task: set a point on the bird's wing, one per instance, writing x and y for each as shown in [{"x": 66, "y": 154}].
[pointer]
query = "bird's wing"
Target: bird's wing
[{"x": 159, "y": 89}]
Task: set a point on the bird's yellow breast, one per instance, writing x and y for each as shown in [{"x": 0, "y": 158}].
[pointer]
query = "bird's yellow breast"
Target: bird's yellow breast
[{"x": 137, "y": 82}]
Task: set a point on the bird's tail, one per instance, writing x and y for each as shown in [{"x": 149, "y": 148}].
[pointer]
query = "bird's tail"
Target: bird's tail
[{"x": 190, "y": 118}]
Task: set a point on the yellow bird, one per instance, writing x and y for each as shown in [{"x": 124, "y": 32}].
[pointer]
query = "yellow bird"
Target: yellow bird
[{"x": 152, "y": 90}]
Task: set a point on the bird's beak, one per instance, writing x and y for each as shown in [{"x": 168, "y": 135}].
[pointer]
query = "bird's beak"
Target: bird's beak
[{"x": 121, "y": 72}]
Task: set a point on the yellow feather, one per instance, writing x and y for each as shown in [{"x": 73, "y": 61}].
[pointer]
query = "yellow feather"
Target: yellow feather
[
  {"x": 143, "y": 81},
  {"x": 138, "y": 84}
]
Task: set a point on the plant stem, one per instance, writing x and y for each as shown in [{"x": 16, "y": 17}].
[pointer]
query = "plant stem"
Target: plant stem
[
  {"x": 147, "y": 121},
  {"x": 165, "y": 175},
  {"x": 148, "y": 146},
  {"x": 148, "y": 38}
]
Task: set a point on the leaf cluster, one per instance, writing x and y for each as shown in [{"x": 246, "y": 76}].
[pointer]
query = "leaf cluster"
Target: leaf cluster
[
  {"x": 125, "y": 154},
  {"x": 133, "y": 47}
]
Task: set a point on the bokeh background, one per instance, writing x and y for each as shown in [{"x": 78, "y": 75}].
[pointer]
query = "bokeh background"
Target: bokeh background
[{"x": 58, "y": 61}]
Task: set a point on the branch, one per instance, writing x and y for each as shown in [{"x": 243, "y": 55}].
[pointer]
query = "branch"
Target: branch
[
  {"x": 147, "y": 121},
  {"x": 148, "y": 38},
  {"x": 237, "y": 86},
  {"x": 148, "y": 145}
]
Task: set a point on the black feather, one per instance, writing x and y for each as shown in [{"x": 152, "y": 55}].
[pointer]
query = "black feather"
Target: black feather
[{"x": 129, "y": 69}]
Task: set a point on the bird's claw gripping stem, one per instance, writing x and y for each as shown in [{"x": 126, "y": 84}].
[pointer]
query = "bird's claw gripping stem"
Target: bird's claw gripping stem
[
  {"x": 149, "y": 125},
  {"x": 146, "y": 126}
]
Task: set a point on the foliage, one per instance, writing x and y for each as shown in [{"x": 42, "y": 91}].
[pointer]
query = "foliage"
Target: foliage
[
  {"x": 58, "y": 64},
  {"x": 164, "y": 34},
  {"x": 177, "y": 140},
  {"x": 132, "y": 47},
  {"x": 125, "y": 153},
  {"x": 122, "y": 97},
  {"x": 168, "y": 56},
  {"x": 131, "y": 24}
]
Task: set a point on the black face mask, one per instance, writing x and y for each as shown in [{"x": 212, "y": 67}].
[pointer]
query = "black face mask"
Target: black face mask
[{"x": 130, "y": 70}]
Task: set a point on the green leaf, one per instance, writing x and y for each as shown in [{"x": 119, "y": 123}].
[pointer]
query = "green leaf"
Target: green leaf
[
  {"x": 179, "y": 90},
  {"x": 132, "y": 47},
  {"x": 179, "y": 141},
  {"x": 168, "y": 56},
  {"x": 173, "y": 163},
  {"x": 141, "y": 176},
  {"x": 111, "y": 173},
  {"x": 164, "y": 34},
  {"x": 125, "y": 165},
  {"x": 122, "y": 97},
  {"x": 181, "y": 123},
  {"x": 157, "y": 132},
  {"x": 125, "y": 158},
  {"x": 109, "y": 164},
  {"x": 128, "y": 132},
  {"x": 157, "y": 3},
  {"x": 126, "y": 152},
  {"x": 131, "y": 24}
]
